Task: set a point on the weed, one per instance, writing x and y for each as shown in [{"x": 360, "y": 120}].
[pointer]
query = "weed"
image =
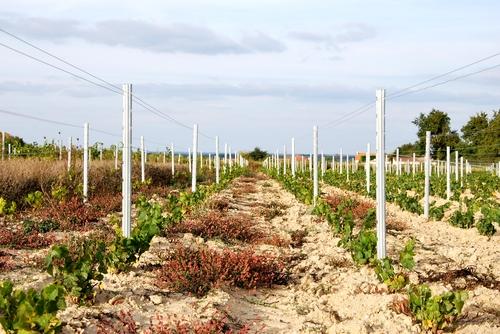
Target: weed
[{"x": 198, "y": 270}]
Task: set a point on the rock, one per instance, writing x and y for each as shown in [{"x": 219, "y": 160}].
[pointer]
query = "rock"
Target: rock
[
  {"x": 118, "y": 299},
  {"x": 155, "y": 299}
]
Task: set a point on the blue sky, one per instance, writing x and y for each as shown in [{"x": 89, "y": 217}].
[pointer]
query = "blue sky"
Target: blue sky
[{"x": 253, "y": 72}]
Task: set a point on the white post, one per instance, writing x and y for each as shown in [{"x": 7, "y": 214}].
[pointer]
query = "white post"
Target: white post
[
  {"x": 3, "y": 145},
  {"x": 225, "y": 157},
  {"x": 209, "y": 161},
  {"x": 456, "y": 166},
  {"x": 100, "y": 152},
  {"x": 367, "y": 168},
  {"x": 9, "y": 150},
  {"x": 126, "y": 159},
  {"x": 341, "y": 157},
  {"x": 293, "y": 157},
  {"x": 413, "y": 166},
  {"x": 347, "y": 165},
  {"x": 195, "y": 150},
  {"x": 310, "y": 165},
  {"x": 427, "y": 184},
  {"x": 448, "y": 170},
  {"x": 322, "y": 165},
  {"x": 165, "y": 156},
  {"x": 85, "y": 161},
  {"x": 172, "y": 155},
  {"x": 60, "y": 149},
  {"x": 381, "y": 247},
  {"x": 189, "y": 160},
  {"x": 230, "y": 158},
  {"x": 461, "y": 171},
  {"x": 70, "y": 146},
  {"x": 315, "y": 163},
  {"x": 116, "y": 157},
  {"x": 217, "y": 164},
  {"x": 398, "y": 163},
  {"x": 284, "y": 159},
  {"x": 143, "y": 161}
]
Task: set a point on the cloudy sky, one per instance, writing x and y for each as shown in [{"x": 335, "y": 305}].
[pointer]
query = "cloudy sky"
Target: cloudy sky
[{"x": 253, "y": 72}]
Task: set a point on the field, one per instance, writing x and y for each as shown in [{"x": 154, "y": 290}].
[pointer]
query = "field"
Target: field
[{"x": 248, "y": 255}]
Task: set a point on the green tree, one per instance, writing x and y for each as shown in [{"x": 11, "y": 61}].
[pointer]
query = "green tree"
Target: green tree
[
  {"x": 257, "y": 154},
  {"x": 438, "y": 123},
  {"x": 481, "y": 137}
]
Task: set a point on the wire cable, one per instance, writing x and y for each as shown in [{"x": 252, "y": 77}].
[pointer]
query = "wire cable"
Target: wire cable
[
  {"x": 445, "y": 81},
  {"x": 112, "y": 87},
  {"x": 444, "y": 74},
  {"x": 46, "y": 120}
]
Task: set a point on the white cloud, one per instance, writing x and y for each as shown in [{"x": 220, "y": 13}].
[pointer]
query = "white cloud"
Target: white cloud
[
  {"x": 168, "y": 38},
  {"x": 344, "y": 34}
]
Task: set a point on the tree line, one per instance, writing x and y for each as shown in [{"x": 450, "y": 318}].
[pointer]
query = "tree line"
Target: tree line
[{"x": 478, "y": 139}]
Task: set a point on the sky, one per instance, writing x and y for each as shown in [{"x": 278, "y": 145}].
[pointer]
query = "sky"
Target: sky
[{"x": 255, "y": 73}]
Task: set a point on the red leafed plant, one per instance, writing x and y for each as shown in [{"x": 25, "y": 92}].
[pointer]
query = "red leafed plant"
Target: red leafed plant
[
  {"x": 19, "y": 240},
  {"x": 6, "y": 261},
  {"x": 217, "y": 325},
  {"x": 214, "y": 224},
  {"x": 74, "y": 214},
  {"x": 197, "y": 270}
]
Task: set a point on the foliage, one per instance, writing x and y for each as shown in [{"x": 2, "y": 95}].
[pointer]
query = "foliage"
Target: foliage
[
  {"x": 438, "y": 123},
  {"x": 197, "y": 270},
  {"x": 217, "y": 325},
  {"x": 480, "y": 137},
  {"x": 125, "y": 251},
  {"x": 78, "y": 271},
  {"x": 486, "y": 226},
  {"x": 222, "y": 226},
  {"x": 435, "y": 312},
  {"x": 406, "y": 256},
  {"x": 462, "y": 219},
  {"x": 364, "y": 247},
  {"x": 6, "y": 207},
  {"x": 43, "y": 226},
  {"x": 257, "y": 154},
  {"x": 60, "y": 193},
  {"x": 437, "y": 212},
  {"x": 19, "y": 240},
  {"x": 31, "y": 312},
  {"x": 386, "y": 274},
  {"x": 34, "y": 199}
]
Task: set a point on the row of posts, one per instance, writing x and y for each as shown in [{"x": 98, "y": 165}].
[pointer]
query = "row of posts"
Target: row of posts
[
  {"x": 229, "y": 158},
  {"x": 382, "y": 166}
]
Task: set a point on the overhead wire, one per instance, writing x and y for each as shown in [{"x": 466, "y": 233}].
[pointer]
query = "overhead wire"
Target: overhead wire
[
  {"x": 46, "y": 120},
  {"x": 106, "y": 84}
]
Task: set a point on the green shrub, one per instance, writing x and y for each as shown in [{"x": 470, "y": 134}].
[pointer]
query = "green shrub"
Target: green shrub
[
  {"x": 364, "y": 247},
  {"x": 31, "y": 312},
  {"x": 462, "y": 219},
  {"x": 6, "y": 207},
  {"x": 486, "y": 226},
  {"x": 78, "y": 271},
  {"x": 34, "y": 199},
  {"x": 60, "y": 193},
  {"x": 386, "y": 274},
  {"x": 435, "y": 312},
  {"x": 406, "y": 257}
]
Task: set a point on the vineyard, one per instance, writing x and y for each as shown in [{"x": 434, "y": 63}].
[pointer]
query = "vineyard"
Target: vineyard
[
  {"x": 223, "y": 167},
  {"x": 248, "y": 254}
]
